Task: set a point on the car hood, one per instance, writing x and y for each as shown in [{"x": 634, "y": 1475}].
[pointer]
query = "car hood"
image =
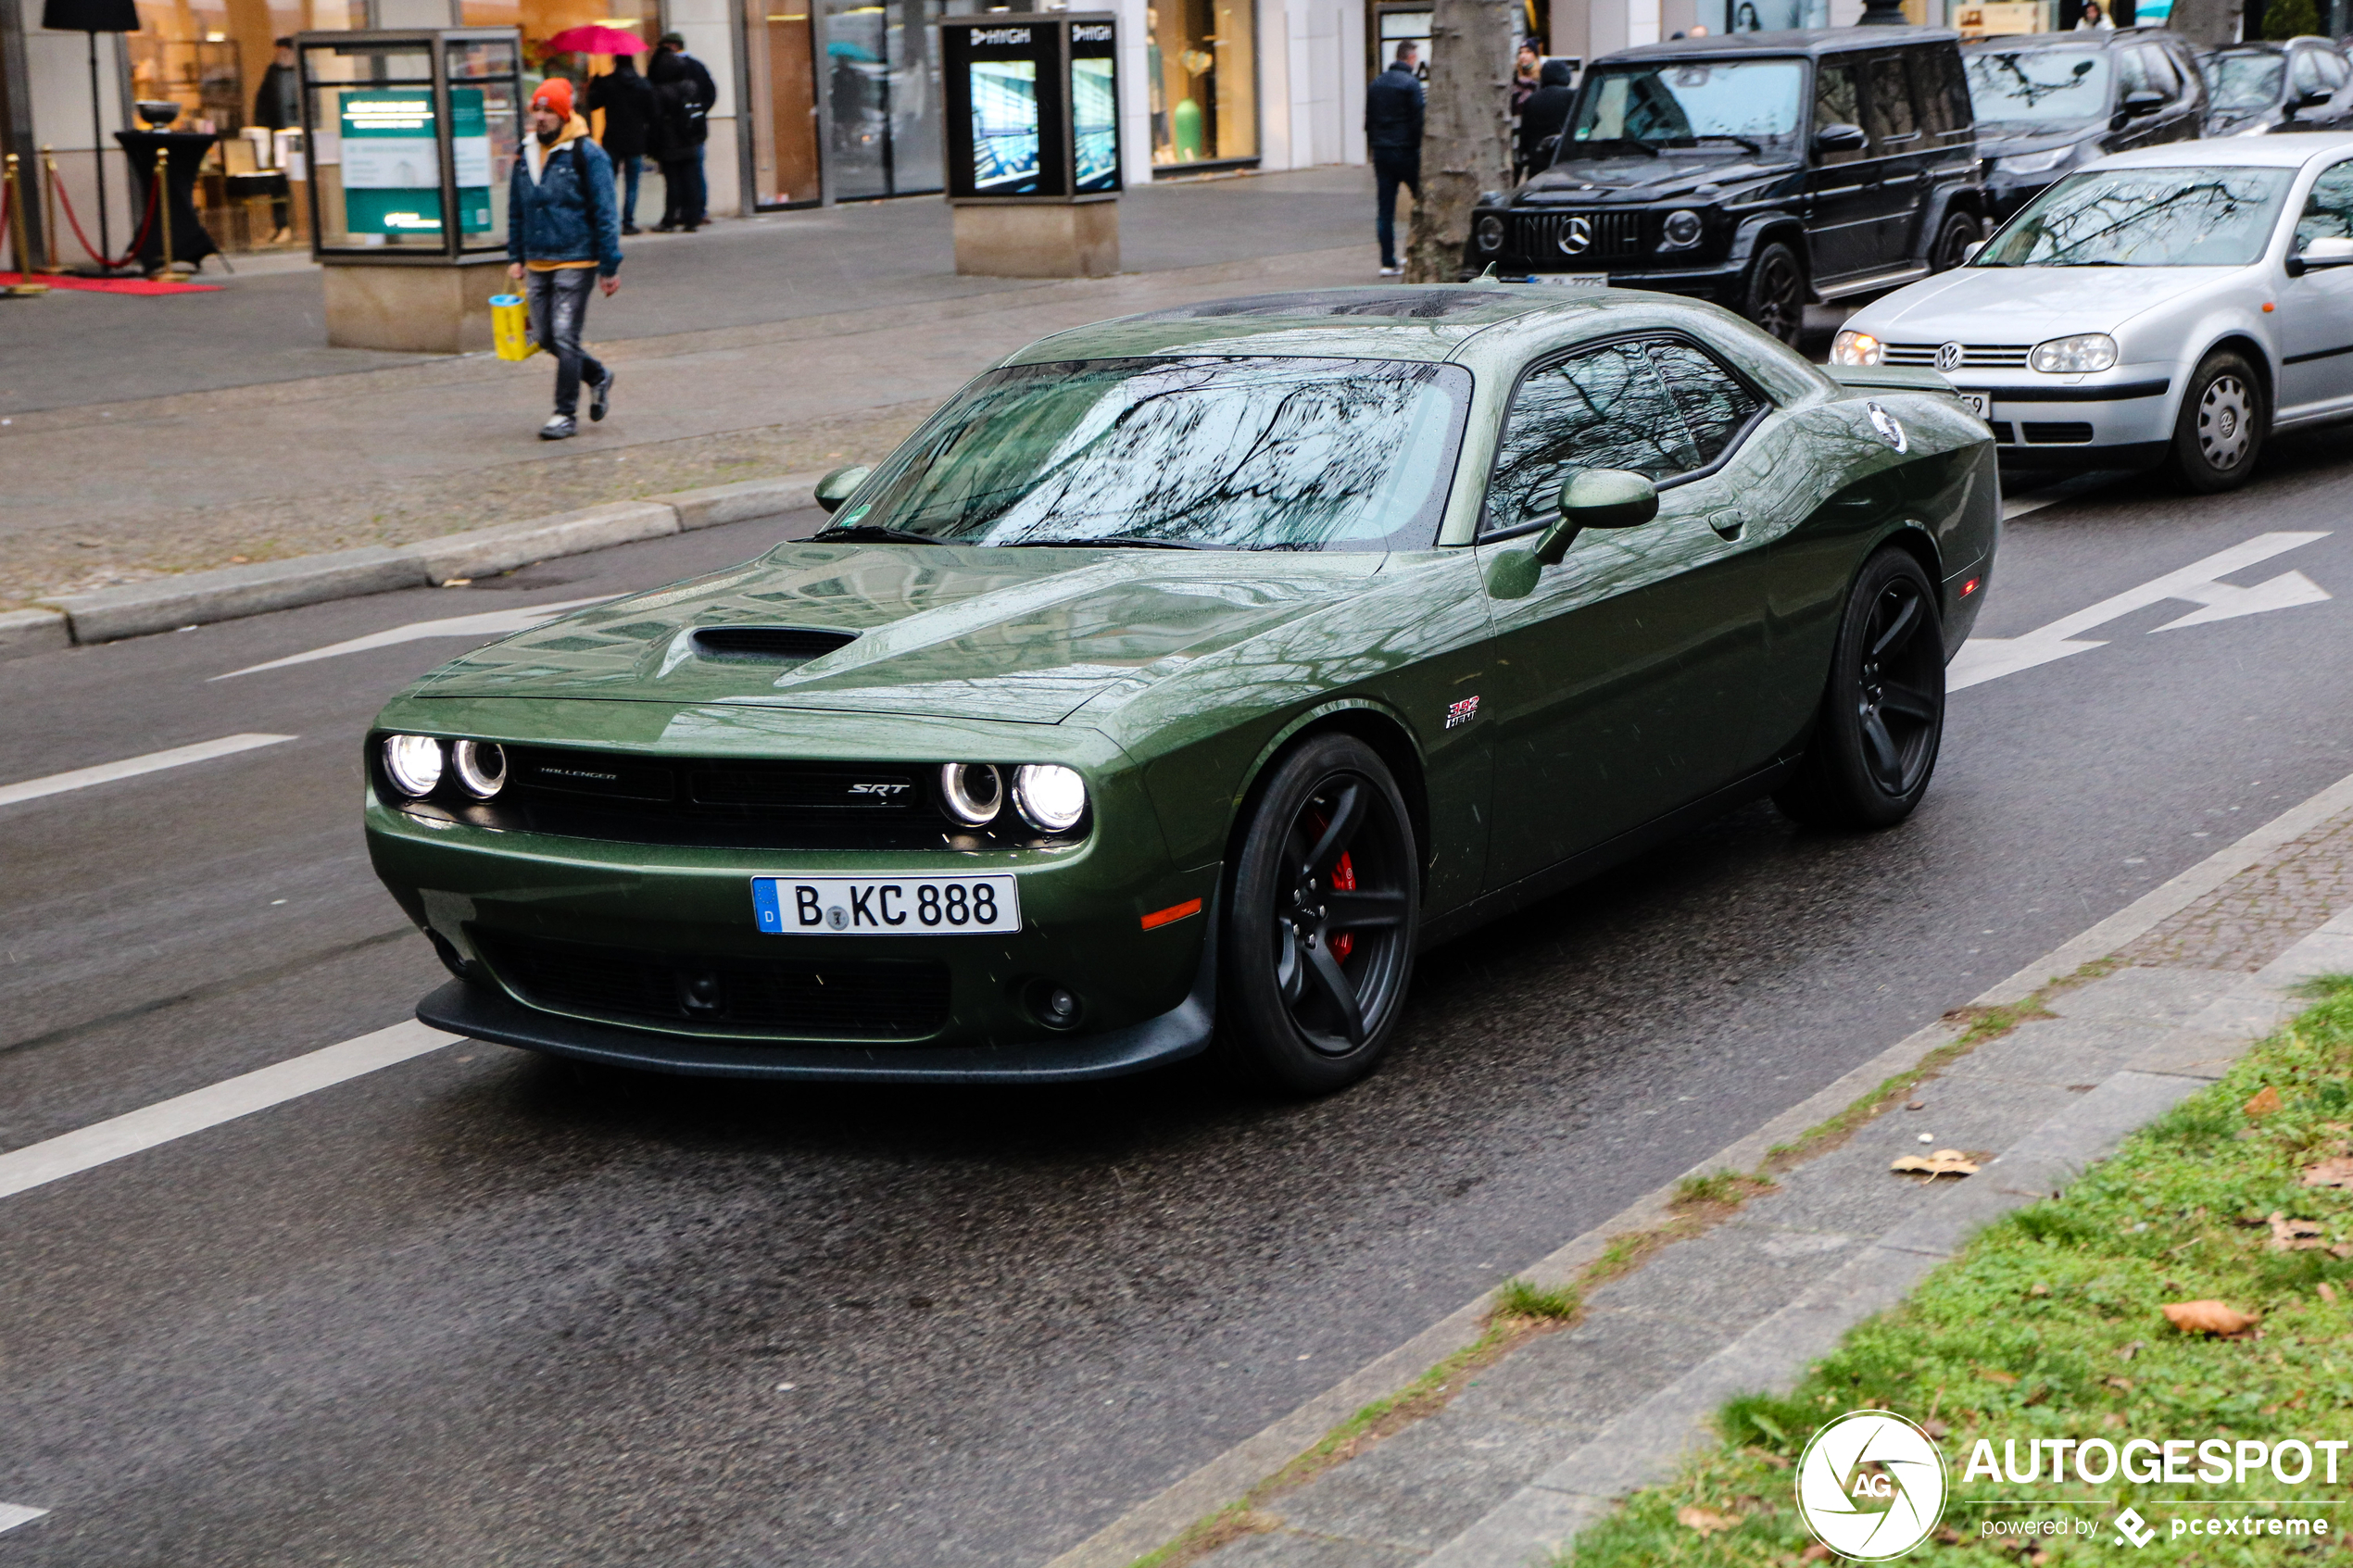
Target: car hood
[
  {"x": 1992, "y": 144},
  {"x": 945, "y": 630},
  {"x": 1643, "y": 178},
  {"x": 2026, "y": 303}
]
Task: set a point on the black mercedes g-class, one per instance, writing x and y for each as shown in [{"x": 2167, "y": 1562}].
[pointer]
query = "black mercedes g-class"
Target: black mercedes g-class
[{"x": 1760, "y": 171}]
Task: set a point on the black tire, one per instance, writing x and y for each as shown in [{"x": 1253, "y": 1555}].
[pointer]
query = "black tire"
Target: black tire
[
  {"x": 1960, "y": 231},
  {"x": 1774, "y": 296},
  {"x": 1312, "y": 977},
  {"x": 1874, "y": 744},
  {"x": 2219, "y": 434}
]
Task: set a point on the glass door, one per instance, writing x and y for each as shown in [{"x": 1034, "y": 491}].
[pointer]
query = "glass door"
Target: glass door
[
  {"x": 777, "y": 35},
  {"x": 882, "y": 78}
]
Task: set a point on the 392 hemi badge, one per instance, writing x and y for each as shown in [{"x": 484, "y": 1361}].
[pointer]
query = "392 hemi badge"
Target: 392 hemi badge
[{"x": 1462, "y": 712}]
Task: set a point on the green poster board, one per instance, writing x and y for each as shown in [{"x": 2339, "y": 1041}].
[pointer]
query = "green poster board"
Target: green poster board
[{"x": 392, "y": 161}]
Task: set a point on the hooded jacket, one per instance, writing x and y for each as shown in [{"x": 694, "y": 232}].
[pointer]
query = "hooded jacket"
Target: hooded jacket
[
  {"x": 628, "y": 102},
  {"x": 1546, "y": 112},
  {"x": 552, "y": 218}
]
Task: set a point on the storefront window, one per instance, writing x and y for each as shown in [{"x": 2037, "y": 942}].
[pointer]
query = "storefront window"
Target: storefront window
[
  {"x": 1201, "y": 59},
  {"x": 777, "y": 35},
  {"x": 211, "y": 57},
  {"x": 882, "y": 69},
  {"x": 540, "y": 20}
]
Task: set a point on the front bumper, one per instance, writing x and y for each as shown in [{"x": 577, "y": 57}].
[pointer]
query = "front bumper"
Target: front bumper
[{"x": 2123, "y": 421}]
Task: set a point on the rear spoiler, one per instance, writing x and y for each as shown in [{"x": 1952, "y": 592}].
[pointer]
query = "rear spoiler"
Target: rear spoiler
[{"x": 1891, "y": 378}]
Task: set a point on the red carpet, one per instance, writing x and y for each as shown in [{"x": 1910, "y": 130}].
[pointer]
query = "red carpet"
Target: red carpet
[{"x": 111, "y": 285}]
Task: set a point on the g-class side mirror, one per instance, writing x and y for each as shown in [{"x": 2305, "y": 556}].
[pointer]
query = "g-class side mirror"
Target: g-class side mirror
[
  {"x": 837, "y": 486},
  {"x": 2311, "y": 98},
  {"x": 2141, "y": 105},
  {"x": 1840, "y": 139},
  {"x": 1596, "y": 498}
]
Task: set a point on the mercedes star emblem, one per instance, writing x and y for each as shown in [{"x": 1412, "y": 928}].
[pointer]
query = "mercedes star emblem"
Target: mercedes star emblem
[{"x": 1577, "y": 236}]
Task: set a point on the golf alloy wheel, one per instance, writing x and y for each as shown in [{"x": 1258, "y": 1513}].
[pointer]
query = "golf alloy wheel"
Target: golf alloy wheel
[{"x": 1875, "y": 741}]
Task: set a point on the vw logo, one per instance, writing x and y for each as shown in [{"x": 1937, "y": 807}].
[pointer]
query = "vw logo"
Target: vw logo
[
  {"x": 1949, "y": 356},
  {"x": 1577, "y": 236}
]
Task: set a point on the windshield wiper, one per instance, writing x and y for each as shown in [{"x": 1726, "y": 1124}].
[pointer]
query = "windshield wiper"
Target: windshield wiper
[
  {"x": 871, "y": 533},
  {"x": 1134, "y": 541},
  {"x": 1739, "y": 140},
  {"x": 1582, "y": 147}
]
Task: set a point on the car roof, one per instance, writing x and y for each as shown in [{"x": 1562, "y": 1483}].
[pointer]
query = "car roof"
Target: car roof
[
  {"x": 1795, "y": 40},
  {"x": 2292, "y": 150},
  {"x": 1391, "y": 321},
  {"x": 2019, "y": 43},
  {"x": 2271, "y": 45}
]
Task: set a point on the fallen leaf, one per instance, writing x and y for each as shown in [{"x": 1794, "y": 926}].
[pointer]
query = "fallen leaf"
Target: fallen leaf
[
  {"x": 2039, "y": 1290},
  {"x": 1915, "y": 1105},
  {"x": 2264, "y": 1103},
  {"x": 2342, "y": 1249},
  {"x": 2336, "y": 1172},
  {"x": 2130, "y": 1350},
  {"x": 2294, "y": 1236},
  {"x": 2328, "y": 1293},
  {"x": 1949, "y": 1536},
  {"x": 2123, "y": 1383},
  {"x": 1818, "y": 1552},
  {"x": 1943, "y": 1162},
  {"x": 1707, "y": 1521},
  {"x": 1935, "y": 1427},
  {"x": 2007, "y": 1379},
  {"x": 2208, "y": 1317},
  {"x": 2038, "y": 1559},
  {"x": 2113, "y": 1419}
]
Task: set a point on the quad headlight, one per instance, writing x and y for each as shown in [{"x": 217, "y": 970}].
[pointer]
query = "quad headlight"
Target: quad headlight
[
  {"x": 1050, "y": 798},
  {"x": 1856, "y": 348},
  {"x": 413, "y": 763},
  {"x": 1682, "y": 230},
  {"x": 2084, "y": 351},
  {"x": 481, "y": 767},
  {"x": 972, "y": 793},
  {"x": 1489, "y": 232}
]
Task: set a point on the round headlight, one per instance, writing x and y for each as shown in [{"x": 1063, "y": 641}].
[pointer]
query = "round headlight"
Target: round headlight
[
  {"x": 1051, "y": 796},
  {"x": 2084, "y": 351},
  {"x": 973, "y": 792},
  {"x": 413, "y": 762},
  {"x": 481, "y": 767},
  {"x": 1489, "y": 230},
  {"x": 1854, "y": 348},
  {"x": 1682, "y": 228}
]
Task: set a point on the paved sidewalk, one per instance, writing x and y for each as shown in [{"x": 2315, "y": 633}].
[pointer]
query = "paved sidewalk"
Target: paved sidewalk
[{"x": 1543, "y": 1442}]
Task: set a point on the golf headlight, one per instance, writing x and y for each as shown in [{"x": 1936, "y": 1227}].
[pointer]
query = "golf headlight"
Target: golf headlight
[
  {"x": 2084, "y": 351},
  {"x": 1489, "y": 230},
  {"x": 481, "y": 767},
  {"x": 1682, "y": 228},
  {"x": 972, "y": 793},
  {"x": 2036, "y": 163},
  {"x": 1854, "y": 348},
  {"x": 1052, "y": 798},
  {"x": 413, "y": 763}
]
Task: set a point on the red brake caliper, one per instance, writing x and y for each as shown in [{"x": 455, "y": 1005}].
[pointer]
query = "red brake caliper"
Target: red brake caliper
[{"x": 1344, "y": 880}]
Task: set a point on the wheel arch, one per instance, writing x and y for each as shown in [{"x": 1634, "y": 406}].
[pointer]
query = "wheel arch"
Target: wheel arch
[
  {"x": 1913, "y": 537},
  {"x": 2245, "y": 344},
  {"x": 1371, "y": 722}
]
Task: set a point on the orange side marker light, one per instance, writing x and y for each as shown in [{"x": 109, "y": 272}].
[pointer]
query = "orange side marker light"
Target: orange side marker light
[
  {"x": 2267, "y": 307},
  {"x": 1172, "y": 914}
]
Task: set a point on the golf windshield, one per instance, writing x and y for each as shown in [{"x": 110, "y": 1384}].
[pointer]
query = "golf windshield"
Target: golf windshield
[
  {"x": 1716, "y": 105},
  {"x": 1242, "y": 453},
  {"x": 2238, "y": 82},
  {"x": 2145, "y": 218},
  {"x": 2027, "y": 88}
]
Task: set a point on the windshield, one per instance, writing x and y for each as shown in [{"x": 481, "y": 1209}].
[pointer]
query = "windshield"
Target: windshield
[
  {"x": 1717, "y": 104},
  {"x": 2237, "y": 82},
  {"x": 2033, "y": 87},
  {"x": 1242, "y": 454},
  {"x": 2145, "y": 218}
]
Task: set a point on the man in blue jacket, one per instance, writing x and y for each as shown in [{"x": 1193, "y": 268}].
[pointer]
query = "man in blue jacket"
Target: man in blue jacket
[
  {"x": 1394, "y": 132},
  {"x": 563, "y": 231}
]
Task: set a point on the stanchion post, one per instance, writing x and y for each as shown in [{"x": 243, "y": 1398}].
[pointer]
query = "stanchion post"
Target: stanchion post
[
  {"x": 163, "y": 206},
  {"x": 24, "y": 285},
  {"x": 49, "y": 206}
]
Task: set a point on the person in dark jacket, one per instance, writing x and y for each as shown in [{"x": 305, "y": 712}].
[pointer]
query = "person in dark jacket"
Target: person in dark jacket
[
  {"x": 628, "y": 102},
  {"x": 1394, "y": 132},
  {"x": 1545, "y": 115},
  {"x": 685, "y": 86},
  {"x": 278, "y": 104},
  {"x": 563, "y": 232}
]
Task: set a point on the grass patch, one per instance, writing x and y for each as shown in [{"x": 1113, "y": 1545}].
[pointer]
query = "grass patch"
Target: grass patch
[
  {"x": 2049, "y": 1325},
  {"x": 1525, "y": 1298}
]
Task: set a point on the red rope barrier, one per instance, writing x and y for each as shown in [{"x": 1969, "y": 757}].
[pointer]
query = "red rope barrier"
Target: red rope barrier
[{"x": 155, "y": 192}]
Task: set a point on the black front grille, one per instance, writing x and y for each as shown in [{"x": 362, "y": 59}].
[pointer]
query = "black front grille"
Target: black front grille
[
  {"x": 2056, "y": 433},
  {"x": 544, "y": 776},
  {"x": 1605, "y": 236},
  {"x": 797, "y": 644},
  {"x": 2002, "y": 434},
  {"x": 813, "y": 999}
]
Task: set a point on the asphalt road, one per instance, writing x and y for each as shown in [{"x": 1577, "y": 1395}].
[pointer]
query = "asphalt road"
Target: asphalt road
[{"x": 482, "y": 1308}]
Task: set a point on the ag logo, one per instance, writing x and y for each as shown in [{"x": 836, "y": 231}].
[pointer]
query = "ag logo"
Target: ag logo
[
  {"x": 1949, "y": 356},
  {"x": 1871, "y": 1485},
  {"x": 1577, "y": 236}
]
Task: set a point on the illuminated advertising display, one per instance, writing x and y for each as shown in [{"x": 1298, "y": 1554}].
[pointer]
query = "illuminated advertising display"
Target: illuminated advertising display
[{"x": 1032, "y": 107}]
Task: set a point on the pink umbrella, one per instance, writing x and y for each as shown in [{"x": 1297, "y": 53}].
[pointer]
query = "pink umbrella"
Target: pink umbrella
[{"x": 596, "y": 38}]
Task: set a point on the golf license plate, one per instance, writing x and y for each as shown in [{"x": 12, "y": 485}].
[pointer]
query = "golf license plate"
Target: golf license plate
[
  {"x": 897, "y": 906},
  {"x": 1974, "y": 402}
]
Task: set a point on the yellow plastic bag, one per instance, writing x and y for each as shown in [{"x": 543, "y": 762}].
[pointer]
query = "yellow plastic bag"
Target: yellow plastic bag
[{"x": 511, "y": 327}]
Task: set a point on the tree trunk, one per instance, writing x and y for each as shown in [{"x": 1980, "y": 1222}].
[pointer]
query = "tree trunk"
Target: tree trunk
[
  {"x": 1465, "y": 132},
  {"x": 2206, "y": 22}
]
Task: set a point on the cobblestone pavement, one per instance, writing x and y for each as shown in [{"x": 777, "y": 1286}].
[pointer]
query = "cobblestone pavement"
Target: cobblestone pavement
[{"x": 2260, "y": 913}]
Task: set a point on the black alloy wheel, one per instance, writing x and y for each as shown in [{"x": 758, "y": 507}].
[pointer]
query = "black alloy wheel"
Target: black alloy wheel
[
  {"x": 1320, "y": 921},
  {"x": 1875, "y": 741},
  {"x": 1776, "y": 296},
  {"x": 1960, "y": 231},
  {"x": 2220, "y": 431}
]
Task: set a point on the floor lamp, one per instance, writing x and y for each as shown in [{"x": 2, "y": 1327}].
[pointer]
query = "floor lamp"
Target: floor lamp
[{"x": 95, "y": 17}]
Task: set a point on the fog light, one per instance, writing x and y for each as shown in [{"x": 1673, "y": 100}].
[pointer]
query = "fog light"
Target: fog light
[
  {"x": 1051, "y": 796},
  {"x": 413, "y": 763},
  {"x": 1056, "y": 1007},
  {"x": 972, "y": 793},
  {"x": 481, "y": 767}
]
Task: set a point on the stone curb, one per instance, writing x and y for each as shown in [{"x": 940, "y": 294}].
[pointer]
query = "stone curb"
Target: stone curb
[{"x": 166, "y": 604}]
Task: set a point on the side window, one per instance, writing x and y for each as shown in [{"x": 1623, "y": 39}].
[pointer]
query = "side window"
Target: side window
[
  {"x": 1887, "y": 111},
  {"x": 1939, "y": 98},
  {"x": 2132, "y": 74},
  {"x": 2159, "y": 72},
  {"x": 1604, "y": 410},
  {"x": 2333, "y": 70},
  {"x": 1837, "y": 101},
  {"x": 2328, "y": 211},
  {"x": 1715, "y": 406},
  {"x": 2186, "y": 67},
  {"x": 2304, "y": 72}
]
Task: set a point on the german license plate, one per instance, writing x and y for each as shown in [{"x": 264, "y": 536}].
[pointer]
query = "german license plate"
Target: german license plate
[
  {"x": 956, "y": 905},
  {"x": 1571, "y": 279},
  {"x": 1974, "y": 402}
]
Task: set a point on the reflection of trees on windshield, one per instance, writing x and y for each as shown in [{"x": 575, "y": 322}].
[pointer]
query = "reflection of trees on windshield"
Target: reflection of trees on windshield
[
  {"x": 1739, "y": 102},
  {"x": 1242, "y": 454},
  {"x": 2145, "y": 218},
  {"x": 2250, "y": 80},
  {"x": 2038, "y": 85}
]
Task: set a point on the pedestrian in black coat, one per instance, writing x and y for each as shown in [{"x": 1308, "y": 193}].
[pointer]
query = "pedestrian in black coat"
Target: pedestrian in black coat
[
  {"x": 1545, "y": 115},
  {"x": 1393, "y": 107},
  {"x": 628, "y": 99},
  {"x": 683, "y": 94}
]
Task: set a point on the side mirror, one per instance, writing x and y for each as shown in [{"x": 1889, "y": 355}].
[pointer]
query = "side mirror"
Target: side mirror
[
  {"x": 1968, "y": 251},
  {"x": 837, "y": 486},
  {"x": 1596, "y": 498},
  {"x": 1840, "y": 139},
  {"x": 2326, "y": 250},
  {"x": 2141, "y": 105},
  {"x": 2312, "y": 98}
]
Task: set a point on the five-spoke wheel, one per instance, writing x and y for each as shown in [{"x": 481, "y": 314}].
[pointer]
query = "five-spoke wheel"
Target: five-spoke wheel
[
  {"x": 1883, "y": 715},
  {"x": 1777, "y": 292}
]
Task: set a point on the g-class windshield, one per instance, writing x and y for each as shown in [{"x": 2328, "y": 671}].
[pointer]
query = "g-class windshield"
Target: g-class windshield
[
  {"x": 2038, "y": 89},
  {"x": 2241, "y": 81},
  {"x": 1717, "y": 106}
]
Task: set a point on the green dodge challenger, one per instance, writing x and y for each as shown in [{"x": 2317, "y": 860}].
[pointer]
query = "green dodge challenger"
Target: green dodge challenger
[{"x": 1183, "y": 677}]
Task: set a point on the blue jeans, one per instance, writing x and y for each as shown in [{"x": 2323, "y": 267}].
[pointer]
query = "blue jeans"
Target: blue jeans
[
  {"x": 558, "y": 303},
  {"x": 1392, "y": 166},
  {"x": 629, "y": 168}
]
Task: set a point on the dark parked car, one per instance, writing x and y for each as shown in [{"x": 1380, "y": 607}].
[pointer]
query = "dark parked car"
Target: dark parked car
[
  {"x": 2303, "y": 84},
  {"x": 2050, "y": 102},
  {"x": 1760, "y": 171}
]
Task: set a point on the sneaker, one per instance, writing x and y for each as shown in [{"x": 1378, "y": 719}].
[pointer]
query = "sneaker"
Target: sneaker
[
  {"x": 1393, "y": 271},
  {"x": 631, "y": 229},
  {"x": 558, "y": 428},
  {"x": 600, "y": 395},
  {"x": 665, "y": 228}
]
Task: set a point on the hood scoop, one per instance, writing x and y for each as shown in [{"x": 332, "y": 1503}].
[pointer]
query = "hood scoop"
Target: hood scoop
[{"x": 796, "y": 645}]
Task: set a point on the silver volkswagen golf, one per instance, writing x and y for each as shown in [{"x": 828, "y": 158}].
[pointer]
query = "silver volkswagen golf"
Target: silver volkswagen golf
[{"x": 2172, "y": 305}]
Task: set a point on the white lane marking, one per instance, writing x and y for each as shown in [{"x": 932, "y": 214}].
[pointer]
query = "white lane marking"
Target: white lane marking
[
  {"x": 103, "y": 1141},
  {"x": 131, "y": 767},
  {"x": 15, "y": 1513},
  {"x": 1988, "y": 658},
  {"x": 490, "y": 624}
]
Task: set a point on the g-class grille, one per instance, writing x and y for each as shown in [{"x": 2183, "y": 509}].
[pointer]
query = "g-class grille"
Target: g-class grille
[
  {"x": 1596, "y": 236},
  {"x": 1974, "y": 356}
]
